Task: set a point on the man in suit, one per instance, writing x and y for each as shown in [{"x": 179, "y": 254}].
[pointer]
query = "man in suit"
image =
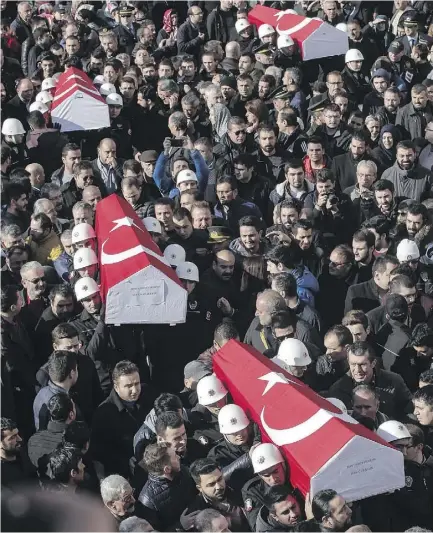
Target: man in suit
[
  {"x": 412, "y": 35},
  {"x": 18, "y": 107}
]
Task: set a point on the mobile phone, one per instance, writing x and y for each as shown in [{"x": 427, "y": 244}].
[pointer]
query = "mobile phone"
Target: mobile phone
[{"x": 178, "y": 143}]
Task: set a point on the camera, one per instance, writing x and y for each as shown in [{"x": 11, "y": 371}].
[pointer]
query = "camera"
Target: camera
[{"x": 333, "y": 199}]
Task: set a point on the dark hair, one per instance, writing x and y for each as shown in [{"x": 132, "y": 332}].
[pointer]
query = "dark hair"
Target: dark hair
[
  {"x": 36, "y": 119},
  {"x": 381, "y": 262},
  {"x": 13, "y": 191},
  {"x": 288, "y": 115},
  {"x": 9, "y": 297},
  {"x": 277, "y": 494},
  {"x": 302, "y": 224},
  {"x": 418, "y": 209},
  {"x": 60, "y": 406},
  {"x": 396, "y": 307},
  {"x": 293, "y": 163},
  {"x": 342, "y": 333},
  {"x": 406, "y": 145},
  {"x": 365, "y": 236},
  {"x": 61, "y": 462},
  {"x": 355, "y": 317},
  {"x": 17, "y": 249},
  {"x": 285, "y": 282},
  {"x": 6, "y": 424},
  {"x": 69, "y": 147},
  {"x": 383, "y": 185},
  {"x": 6, "y": 152},
  {"x": 63, "y": 290},
  {"x": 124, "y": 368},
  {"x": 132, "y": 164},
  {"x": 424, "y": 395},
  {"x": 182, "y": 212},
  {"x": 225, "y": 332},
  {"x": 164, "y": 200},
  {"x": 360, "y": 348},
  {"x": 315, "y": 139},
  {"x": 283, "y": 319},
  {"x": 168, "y": 419},
  {"x": 64, "y": 331},
  {"x": 44, "y": 221},
  {"x": 227, "y": 179},
  {"x": 76, "y": 435},
  {"x": 320, "y": 505},
  {"x": 416, "y": 433},
  {"x": 359, "y": 136},
  {"x": 245, "y": 159},
  {"x": 286, "y": 255},
  {"x": 400, "y": 282},
  {"x": 379, "y": 223},
  {"x": 167, "y": 402},
  {"x": 60, "y": 365},
  {"x": 250, "y": 221},
  {"x": 201, "y": 467},
  {"x": 325, "y": 174},
  {"x": 74, "y": 61}
]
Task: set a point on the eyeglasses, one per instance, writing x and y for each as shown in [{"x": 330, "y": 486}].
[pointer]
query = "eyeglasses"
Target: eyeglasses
[
  {"x": 34, "y": 281},
  {"x": 284, "y": 337},
  {"x": 332, "y": 263},
  {"x": 239, "y": 132}
]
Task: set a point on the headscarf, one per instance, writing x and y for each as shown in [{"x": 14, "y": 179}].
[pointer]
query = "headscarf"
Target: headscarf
[
  {"x": 166, "y": 20},
  {"x": 222, "y": 116},
  {"x": 390, "y": 153}
]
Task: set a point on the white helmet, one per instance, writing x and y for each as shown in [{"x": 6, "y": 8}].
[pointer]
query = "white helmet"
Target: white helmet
[
  {"x": 84, "y": 257},
  {"x": 407, "y": 251},
  {"x": 185, "y": 175},
  {"x": 284, "y": 41},
  {"x": 98, "y": 80},
  {"x": 38, "y": 106},
  {"x": 48, "y": 83},
  {"x": 265, "y": 456},
  {"x": 152, "y": 225},
  {"x": 232, "y": 418},
  {"x": 342, "y": 26},
  {"x": 393, "y": 430},
  {"x": 242, "y": 24},
  {"x": 85, "y": 287},
  {"x": 107, "y": 88},
  {"x": 114, "y": 99},
  {"x": 44, "y": 97},
  {"x": 353, "y": 55},
  {"x": 12, "y": 126},
  {"x": 210, "y": 390},
  {"x": 293, "y": 352},
  {"x": 265, "y": 29},
  {"x": 187, "y": 271},
  {"x": 82, "y": 232},
  {"x": 175, "y": 254},
  {"x": 338, "y": 403}
]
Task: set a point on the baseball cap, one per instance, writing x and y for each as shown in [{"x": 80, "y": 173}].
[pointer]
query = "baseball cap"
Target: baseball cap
[
  {"x": 396, "y": 47},
  {"x": 196, "y": 370},
  {"x": 381, "y": 73},
  {"x": 149, "y": 156}
]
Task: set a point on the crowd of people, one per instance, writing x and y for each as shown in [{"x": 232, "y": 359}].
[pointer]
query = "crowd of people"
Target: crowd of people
[{"x": 293, "y": 198}]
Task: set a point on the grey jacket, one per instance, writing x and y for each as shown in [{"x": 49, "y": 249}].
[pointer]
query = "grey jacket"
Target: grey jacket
[{"x": 416, "y": 183}]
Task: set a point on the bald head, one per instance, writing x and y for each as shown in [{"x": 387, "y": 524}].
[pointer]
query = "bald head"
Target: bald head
[
  {"x": 92, "y": 195},
  {"x": 107, "y": 151},
  {"x": 268, "y": 303},
  {"x": 224, "y": 264},
  {"x": 233, "y": 50},
  {"x": 37, "y": 174},
  {"x": 25, "y": 90}
]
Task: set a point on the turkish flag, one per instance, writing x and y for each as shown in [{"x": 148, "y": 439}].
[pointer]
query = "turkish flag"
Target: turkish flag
[{"x": 324, "y": 447}]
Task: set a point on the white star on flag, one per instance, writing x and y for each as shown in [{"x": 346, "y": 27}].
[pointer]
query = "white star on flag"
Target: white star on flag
[
  {"x": 125, "y": 221},
  {"x": 273, "y": 378}
]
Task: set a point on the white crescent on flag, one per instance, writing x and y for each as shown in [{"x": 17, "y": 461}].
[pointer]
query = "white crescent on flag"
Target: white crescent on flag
[
  {"x": 294, "y": 29},
  {"x": 303, "y": 430}
]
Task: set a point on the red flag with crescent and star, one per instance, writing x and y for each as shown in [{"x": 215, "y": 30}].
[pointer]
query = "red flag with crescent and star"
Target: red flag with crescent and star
[
  {"x": 137, "y": 283},
  {"x": 324, "y": 446}
]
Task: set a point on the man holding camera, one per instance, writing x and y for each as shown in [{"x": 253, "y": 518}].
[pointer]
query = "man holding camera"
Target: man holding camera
[{"x": 331, "y": 209}]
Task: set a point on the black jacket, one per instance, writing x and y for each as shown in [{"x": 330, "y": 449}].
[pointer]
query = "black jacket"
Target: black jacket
[
  {"x": 395, "y": 398},
  {"x": 265, "y": 522},
  {"x": 218, "y": 26},
  {"x": 254, "y": 494},
  {"x": 344, "y": 169},
  {"x": 363, "y": 296},
  {"x": 44, "y": 442},
  {"x": 188, "y": 41},
  {"x": 113, "y": 430},
  {"x": 356, "y": 84},
  {"x": 164, "y": 500},
  {"x": 15, "y": 108}
]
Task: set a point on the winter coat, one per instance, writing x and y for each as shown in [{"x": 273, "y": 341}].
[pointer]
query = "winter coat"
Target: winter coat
[
  {"x": 363, "y": 296},
  {"x": 164, "y": 500},
  {"x": 414, "y": 121},
  {"x": 188, "y": 41},
  {"x": 416, "y": 183},
  {"x": 282, "y": 192},
  {"x": 237, "y": 209},
  {"x": 344, "y": 169}
]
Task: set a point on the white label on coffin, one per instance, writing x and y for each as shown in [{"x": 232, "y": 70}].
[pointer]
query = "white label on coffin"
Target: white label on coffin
[{"x": 151, "y": 292}]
